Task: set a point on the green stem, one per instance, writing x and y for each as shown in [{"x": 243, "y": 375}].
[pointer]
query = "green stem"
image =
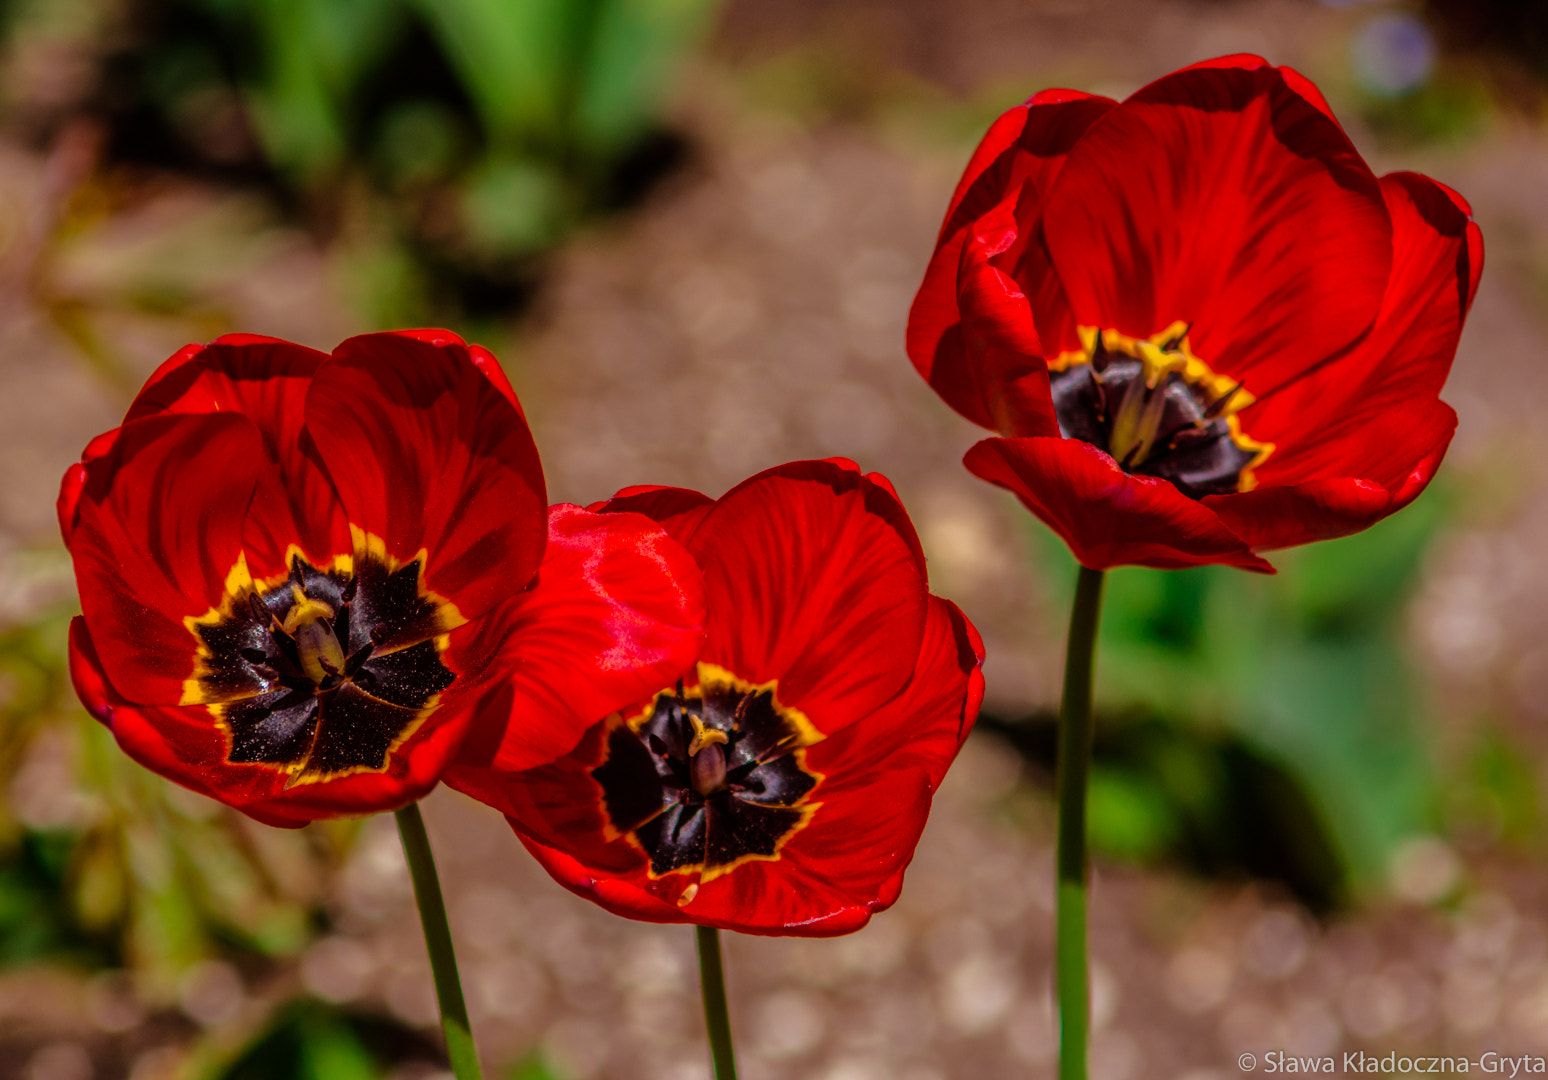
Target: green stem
[
  {"x": 712, "y": 979},
  {"x": 443, "y": 961},
  {"x": 1074, "y": 765}
]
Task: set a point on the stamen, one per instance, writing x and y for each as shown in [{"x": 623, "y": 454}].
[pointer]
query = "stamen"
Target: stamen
[
  {"x": 360, "y": 656},
  {"x": 1101, "y": 392},
  {"x": 1219, "y": 406},
  {"x": 1159, "y": 364}
]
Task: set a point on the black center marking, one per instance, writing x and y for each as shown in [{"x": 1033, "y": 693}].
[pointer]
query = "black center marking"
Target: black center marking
[
  {"x": 1191, "y": 442},
  {"x": 254, "y": 671},
  {"x": 709, "y": 780}
]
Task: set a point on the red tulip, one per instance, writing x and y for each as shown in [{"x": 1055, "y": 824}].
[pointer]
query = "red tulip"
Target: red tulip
[
  {"x": 779, "y": 786},
  {"x": 1204, "y": 328},
  {"x": 303, "y": 575}
]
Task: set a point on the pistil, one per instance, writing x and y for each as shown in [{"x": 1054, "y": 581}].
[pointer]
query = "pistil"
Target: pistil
[
  {"x": 1138, "y": 420},
  {"x": 1158, "y": 410},
  {"x": 310, "y": 625},
  {"x": 707, "y": 759}
]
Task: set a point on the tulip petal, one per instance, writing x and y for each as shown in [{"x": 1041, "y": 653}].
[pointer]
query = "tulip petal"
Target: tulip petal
[
  {"x": 847, "y": 857},
  {"x": 157, "y": 534},
  {"x": 1225, "y": 198},
  {"x": 616, "y": 615},
  {"x": 1437, "y": 260},
  {"x": 265, "y": 380},
  {"x": 814, "y": 578},
  {"x": 1004, "y": 353},
  {"x": 677, "y": 510},
  {"x": 1108, "y": 517},
  {"x": 429, "y": 454},
  {"x": 1397, "y": 452},
  {"x": 1015, "y": 166}
]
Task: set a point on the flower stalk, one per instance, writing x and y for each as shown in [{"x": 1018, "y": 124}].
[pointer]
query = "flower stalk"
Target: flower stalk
[
  {"x": 717, "y": 1020},
  {"x": 1074, "y": 768},
  {"x": 443, "y": 960}
]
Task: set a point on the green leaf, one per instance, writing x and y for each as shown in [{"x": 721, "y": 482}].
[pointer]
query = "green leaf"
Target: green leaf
[
  {"x": 635, "y": 48},
  {"x": 1307, "y": 669},
  {"x": 1129, "y": 815},
  {"x": 517, "y": 59},
  {"x": 316, "y": 54},
  {"x": 331, "y": 1051}
]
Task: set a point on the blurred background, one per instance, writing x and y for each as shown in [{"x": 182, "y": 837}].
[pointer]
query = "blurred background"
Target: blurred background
[{"x": 691, "y": 230}]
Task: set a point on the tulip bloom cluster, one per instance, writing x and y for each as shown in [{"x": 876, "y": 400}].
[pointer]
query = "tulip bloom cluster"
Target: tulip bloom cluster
[
  {"x": 319, "y": 584},
  {"x": 316, "y": 584}
]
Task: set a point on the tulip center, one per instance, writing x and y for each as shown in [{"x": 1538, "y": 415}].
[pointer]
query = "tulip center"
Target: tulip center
[
  {"x": 322, "y": 672},
  {"x": 707, "y": 778},
  {"x": 1158, "y": 410}
]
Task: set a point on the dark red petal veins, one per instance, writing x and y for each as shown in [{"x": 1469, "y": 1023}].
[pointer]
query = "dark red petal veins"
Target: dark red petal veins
[
  {"x": 265, "y": 380},
  {"x": 158, "y": 527},
  {"x": 846, "y": 864},
  {"x": 929, "y": 721},
  {"x": 629, "y": 897},
  {"x": 880, "y": 496},
  {"x": 677, "y": 510},
  {"x": 1107, "y": 517},
  {"x": 617, "y": 613},
  {"x": 558, "y": 804},
  {"x": 295, "y": 507},
  {"x": 1223, "y": 197},
  {"x": 427, "y": 453},
  {"x": 1361, "y": 471},
  {"x": 812, "y": 579},
  {"x": 1016, "y": 162},
  {"x": 1437, "y": 252}
]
